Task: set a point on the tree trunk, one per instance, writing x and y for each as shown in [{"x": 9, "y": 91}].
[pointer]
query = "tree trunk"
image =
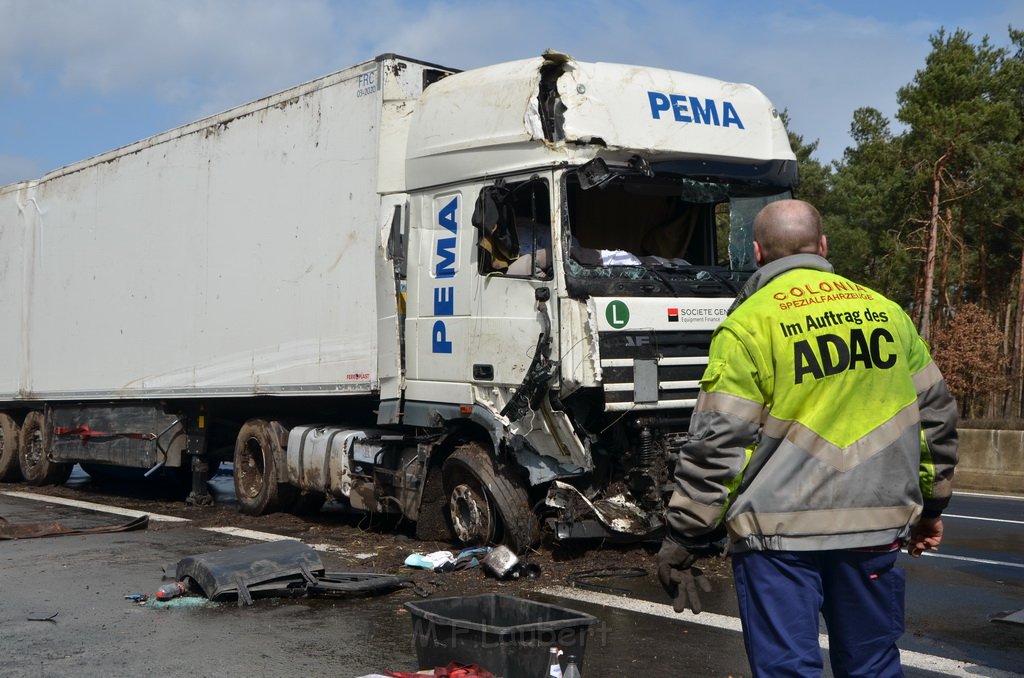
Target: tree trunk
[
  {"x": 1015, "y": 360},
  {"x": 930, "y": 251}
]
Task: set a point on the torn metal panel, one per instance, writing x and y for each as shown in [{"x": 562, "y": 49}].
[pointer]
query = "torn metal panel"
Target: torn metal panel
[
  {"x": 679, "y": 113},
  {"x": 550, "y": 433},
  {"x": 619, "y": 512},
  {"x": 10, "y": 530},
  {"x": 578, "y": 337},
  {"x": 540, "y": 468}
]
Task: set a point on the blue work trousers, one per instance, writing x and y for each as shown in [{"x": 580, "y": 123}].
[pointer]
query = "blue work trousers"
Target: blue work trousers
[{"x": 860, "y": 594}]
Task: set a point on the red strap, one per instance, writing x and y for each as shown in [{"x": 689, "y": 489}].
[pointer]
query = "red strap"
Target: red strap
[{"x": 86, "y": 434}]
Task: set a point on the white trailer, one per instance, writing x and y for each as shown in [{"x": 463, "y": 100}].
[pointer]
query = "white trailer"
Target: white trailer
[{"x": 442, "y": 294}]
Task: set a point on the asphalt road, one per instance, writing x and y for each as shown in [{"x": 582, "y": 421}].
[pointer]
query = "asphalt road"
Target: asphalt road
[{"x": 77, "y": 585}]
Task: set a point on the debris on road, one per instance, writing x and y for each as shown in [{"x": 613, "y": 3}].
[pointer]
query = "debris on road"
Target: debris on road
[
  {"x": 583, "y": 579},
  {"x": 285, "y": 568},
  {"x": 501, "y": 563},
  {"x": 10, "y": 530},
  {"x": 447, "y": 561}
]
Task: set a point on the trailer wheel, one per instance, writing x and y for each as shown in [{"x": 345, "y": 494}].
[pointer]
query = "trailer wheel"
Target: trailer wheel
[
  {"x": 10, "y": 471},
  {"x": 256, "y": 453},
  {"x": 486, "y": 502},
  {"x": 34, "y": 454}
]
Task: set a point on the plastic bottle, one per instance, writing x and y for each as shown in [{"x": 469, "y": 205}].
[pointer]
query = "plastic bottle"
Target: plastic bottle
[
  {"x": 168, "y": 591},
  {"x": 571, "y": 670},
  {"x": 554, "y": 669}
]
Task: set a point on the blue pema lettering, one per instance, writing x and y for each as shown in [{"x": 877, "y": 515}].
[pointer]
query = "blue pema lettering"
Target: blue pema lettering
[
  {"x": 693, "y": 109},
  {"x": 444, "y": 296},
  {"x": 706, "y": 114},
  {"x": 446, "y": 217},
  {"x": 439, "y": 338},
  {"x": 680, "y": 108},
  {"x": 659, "y": 103},
  {"x": 444, "y": 301},
  {"x": 730, "y": 116},
  {"x": 445, "y": 267}
]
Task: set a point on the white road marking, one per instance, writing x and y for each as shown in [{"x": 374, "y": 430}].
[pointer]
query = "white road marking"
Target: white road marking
[
  {"x": 980, "y": 561},
  {"x": 249, "y": 534},
  {"x": 917, "y": 660},
  {"x": 987, "y": 520},
  {"x": 990, "y": 496},
  {"x": 75, "y": 503}
]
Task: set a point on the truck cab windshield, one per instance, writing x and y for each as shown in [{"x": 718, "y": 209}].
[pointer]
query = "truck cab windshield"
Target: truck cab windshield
[{"x": 641, "y": 234}]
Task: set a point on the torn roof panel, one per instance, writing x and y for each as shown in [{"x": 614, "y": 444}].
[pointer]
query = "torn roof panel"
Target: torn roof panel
[
  {"x": 490, "y": 121},
  {"x": 666, "y": 114}
]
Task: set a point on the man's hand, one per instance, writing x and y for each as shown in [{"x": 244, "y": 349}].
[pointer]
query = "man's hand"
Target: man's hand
[
  {"x": 680, "y": 578},
  {"x": 925, "y": 536}
]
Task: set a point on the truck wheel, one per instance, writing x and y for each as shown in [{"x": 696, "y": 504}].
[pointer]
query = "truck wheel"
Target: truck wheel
[
  {"x": 34, "y": 454},
  {"x": 10, "y": 471},
  {"x": 487, "y": 503},
  {"x": 256, "y": 453}
]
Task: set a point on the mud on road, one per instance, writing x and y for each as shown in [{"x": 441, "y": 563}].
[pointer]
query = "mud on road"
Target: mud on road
[{"x": 381, "y": 543}]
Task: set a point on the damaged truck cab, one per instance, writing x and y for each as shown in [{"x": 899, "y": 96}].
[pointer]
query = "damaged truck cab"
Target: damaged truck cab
[
  {"x": 478, "y": 300},
  {"x": 576, "y": 232}
]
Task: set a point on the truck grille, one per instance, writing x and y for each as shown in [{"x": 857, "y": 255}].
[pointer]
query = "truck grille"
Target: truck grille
[{"x": 680, "y": 359}]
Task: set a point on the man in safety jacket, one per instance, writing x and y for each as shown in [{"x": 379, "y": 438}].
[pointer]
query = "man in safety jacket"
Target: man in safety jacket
[{"x": 823, "y": 438}]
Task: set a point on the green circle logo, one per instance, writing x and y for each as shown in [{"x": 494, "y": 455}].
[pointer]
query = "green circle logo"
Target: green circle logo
[{"x": 617, "y": 314}]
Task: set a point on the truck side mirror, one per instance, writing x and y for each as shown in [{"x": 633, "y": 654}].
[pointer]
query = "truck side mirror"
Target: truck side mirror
[{"x": 594, "y": 173}]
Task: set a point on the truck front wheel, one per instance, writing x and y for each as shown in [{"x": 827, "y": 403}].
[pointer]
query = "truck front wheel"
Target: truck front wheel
[
  {"x": 486, "y": 501},
  {"x": 10, "y": 470},
  {"x": 37, "y": 466},
  {"x": 257, "y": 451}
]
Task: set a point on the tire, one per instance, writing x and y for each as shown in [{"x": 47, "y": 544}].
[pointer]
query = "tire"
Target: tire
[
  {"x": 34, "y": 454},
  {"x": 257, "y": 452},
  {"x": 10, "y": 468},
  {"x": 486, "y": 502}
]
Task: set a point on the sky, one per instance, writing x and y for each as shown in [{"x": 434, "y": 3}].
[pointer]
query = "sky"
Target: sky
[{"x": 80, "y": 77}]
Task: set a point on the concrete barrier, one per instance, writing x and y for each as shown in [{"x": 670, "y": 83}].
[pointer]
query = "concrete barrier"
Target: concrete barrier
[{"x": 990, "y": 461}]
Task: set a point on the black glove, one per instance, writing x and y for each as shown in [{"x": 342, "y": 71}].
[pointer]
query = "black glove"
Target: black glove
[{"x": 679, "y": 577}]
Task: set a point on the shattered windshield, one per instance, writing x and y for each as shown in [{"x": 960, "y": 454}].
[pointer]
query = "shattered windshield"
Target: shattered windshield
[{"x": 634, "y": 226}]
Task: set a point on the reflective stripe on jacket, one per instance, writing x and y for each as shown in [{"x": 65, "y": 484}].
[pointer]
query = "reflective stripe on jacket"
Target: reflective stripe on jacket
[{"x": 822, "y": 422}]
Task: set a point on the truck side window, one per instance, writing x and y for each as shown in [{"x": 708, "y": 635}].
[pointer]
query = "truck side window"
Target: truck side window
[{"x": 514, "y": 229}]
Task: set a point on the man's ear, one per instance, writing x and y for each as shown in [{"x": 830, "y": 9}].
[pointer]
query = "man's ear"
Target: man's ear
[
  {"x": 822, "y": 246},
  {"x": 758, "y": 254}
]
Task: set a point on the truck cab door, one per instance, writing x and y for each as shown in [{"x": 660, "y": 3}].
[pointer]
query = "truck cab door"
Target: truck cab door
[{"x": 473, "y": 321}]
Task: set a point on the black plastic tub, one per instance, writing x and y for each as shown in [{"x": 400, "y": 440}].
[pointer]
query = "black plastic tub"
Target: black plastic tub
[{"x": 506, "y": 635}]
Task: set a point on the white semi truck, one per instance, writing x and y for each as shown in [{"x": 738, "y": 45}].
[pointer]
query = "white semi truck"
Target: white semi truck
[{"x": 478, "y": 299}]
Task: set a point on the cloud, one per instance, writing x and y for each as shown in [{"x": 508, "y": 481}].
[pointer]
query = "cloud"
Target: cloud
[{"x": 191, "y": 58}]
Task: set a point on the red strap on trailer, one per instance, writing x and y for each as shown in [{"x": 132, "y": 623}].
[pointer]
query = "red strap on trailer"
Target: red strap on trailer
[{"x": 85, "y": 434}]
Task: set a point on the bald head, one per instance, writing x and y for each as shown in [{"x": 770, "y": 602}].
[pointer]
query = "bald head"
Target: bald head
[{"x": 787, "y": 227}]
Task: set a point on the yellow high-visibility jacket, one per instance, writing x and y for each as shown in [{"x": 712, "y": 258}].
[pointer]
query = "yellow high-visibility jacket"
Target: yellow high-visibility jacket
[{"x": 822, "y": 422}]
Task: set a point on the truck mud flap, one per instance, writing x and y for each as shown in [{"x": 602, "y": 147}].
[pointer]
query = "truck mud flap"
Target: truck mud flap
[
  {"x": 269, "y": 569},
  {"x": 286, "y": 568}
]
